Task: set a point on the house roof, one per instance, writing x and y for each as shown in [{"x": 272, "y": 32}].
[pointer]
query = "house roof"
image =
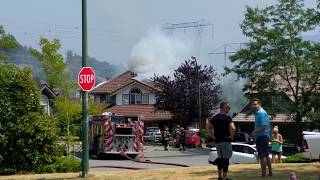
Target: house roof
[
  {"x": 114, "y": 84},
  {"x": 119, "y": 82},
  {"x": 146, "y": 112},
  {"x": 45, "y": 89},
  {"x": 245, "y": 117}
]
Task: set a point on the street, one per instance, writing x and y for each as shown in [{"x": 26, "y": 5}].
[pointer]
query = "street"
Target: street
[{"x": 190, "y": 157}]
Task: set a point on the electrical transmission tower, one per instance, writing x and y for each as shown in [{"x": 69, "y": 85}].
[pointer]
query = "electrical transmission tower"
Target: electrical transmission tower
[
  {"x": 199, "y": 26},
  {"x": 229, "y": 48}
]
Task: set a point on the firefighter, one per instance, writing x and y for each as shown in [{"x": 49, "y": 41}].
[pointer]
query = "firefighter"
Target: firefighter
[
  {"x": 182, "y": 139},
  {"x": 166, "y": 137},
  {"x": 176, "y": 131}
]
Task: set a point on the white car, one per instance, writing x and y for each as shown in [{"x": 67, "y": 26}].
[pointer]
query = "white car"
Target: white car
[
  {"x": 241, "y": 153},
  {"x": 311, "y": 145}
]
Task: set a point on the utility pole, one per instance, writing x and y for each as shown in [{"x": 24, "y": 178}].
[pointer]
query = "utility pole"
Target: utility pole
[
  {"x": 199, "y": 100},
  {"x": 85, "y": 120}
]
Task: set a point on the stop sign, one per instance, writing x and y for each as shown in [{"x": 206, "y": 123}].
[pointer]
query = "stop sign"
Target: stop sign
[{"x": 86, "y": 78}]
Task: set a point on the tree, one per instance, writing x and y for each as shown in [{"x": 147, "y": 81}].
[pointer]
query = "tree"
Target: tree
[
  {"x": 277, "y": 60},
  {"x": 6, "y": 42},
  {"x": 28, "y": 137},
  {"x": 58, "y": 78},
  {"x": 68, "y": 108},
  {"x": 54, "y": 66},
  {"x": 179, "y": 95}
]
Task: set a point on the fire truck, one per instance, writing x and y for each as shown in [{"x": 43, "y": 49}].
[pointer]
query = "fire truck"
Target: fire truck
[{"x": 110, "y": 134}]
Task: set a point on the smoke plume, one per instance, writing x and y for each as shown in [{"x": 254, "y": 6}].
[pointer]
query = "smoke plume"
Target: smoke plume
[
  {"x": 159, "y": 53},
  {"x": 233, "y": 94}
]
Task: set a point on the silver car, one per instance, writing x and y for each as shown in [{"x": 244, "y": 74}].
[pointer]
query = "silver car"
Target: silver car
[{"x": 153, "y": 134}]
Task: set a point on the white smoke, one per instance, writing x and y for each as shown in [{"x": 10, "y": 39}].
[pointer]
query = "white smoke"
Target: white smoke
[
  {"x": 159, "y": 53},
  {"x": 233, "y": 94}
]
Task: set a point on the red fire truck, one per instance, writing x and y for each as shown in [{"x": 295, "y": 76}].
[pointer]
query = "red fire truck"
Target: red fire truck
[{"x": 108, "y": 134}]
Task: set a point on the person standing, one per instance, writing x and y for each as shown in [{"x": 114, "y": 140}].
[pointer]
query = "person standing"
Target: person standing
[
  {"x": 182, "y": 139},
  {"x": 276, "y": 144},
  {"x": 166, "y": 138},
  {"x": 176, "y": 132},
  {"x": 224, "y": 131},
  {"x": 262, "y": 134}
]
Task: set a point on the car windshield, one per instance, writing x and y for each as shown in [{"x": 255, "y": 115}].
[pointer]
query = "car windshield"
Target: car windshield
[{"x": 190, "y": 132}]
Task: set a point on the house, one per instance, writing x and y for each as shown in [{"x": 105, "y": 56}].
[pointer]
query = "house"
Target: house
[
  {"x": 126, "y": 95},
  {"x": 46, "y": 99}
]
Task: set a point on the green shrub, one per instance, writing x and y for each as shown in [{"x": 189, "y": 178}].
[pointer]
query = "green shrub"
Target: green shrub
[
  {"x": 61, "y": 165},
  {"x": 68, "y": 164},
  {"x": 28, "y": 136},
  {"x": 297, "y": 158},
  {"x": 7, "y": 171}
]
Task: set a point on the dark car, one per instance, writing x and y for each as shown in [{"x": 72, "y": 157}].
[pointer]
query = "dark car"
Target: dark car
[
  {"x": 290, "y": 148},
  {"x": 243, "y": 137}
]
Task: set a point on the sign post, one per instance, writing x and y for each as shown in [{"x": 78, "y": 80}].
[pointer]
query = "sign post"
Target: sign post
[
  {"x": 86, "y": 80},
  {"x": 85, "y": 120}
]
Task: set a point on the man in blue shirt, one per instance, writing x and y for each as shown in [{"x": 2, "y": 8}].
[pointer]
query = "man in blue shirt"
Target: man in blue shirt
[{"x": 262, "y": 133}]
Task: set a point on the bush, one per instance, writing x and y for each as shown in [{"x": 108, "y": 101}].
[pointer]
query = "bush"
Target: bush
[
  {"x": 297, "y": 158},
  {"x": 61, "y": 165},
  {"x": 28, "y": 137},
  {"x": 7, "y": 171}
]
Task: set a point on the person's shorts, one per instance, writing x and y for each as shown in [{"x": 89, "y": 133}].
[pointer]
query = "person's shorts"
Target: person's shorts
[
  {"x": 276, "y": 153},
  {"x": 224, "y": 150},
  {"x": 262, "y": 143}
]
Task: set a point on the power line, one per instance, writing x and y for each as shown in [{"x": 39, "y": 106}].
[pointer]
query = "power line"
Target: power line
[
  {"x": 228, "y": 48},
  {"x": 198, "y": 25}
]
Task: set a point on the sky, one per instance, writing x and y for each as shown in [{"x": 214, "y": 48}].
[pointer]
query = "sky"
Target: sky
[
  {"x": 130, "y": 33},
  {"x": 115, "y": 27}
]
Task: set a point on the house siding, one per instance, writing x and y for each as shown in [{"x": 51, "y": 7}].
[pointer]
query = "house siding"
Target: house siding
[{"x": 152, "y": 98}]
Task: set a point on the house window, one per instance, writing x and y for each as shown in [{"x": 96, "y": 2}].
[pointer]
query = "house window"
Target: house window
[
  {"x": 109, "y": 99},
  {"x": 135, "y": 96},
  {"x": 102, "y": 99},
  {"x": 125, "y": 98},
  {"x": 145, "y": 98},
  {"x": 44, "y": 102}
]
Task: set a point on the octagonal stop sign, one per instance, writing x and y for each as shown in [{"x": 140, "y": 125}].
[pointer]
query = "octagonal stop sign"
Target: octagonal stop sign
[{"x": 86, "y": 78}]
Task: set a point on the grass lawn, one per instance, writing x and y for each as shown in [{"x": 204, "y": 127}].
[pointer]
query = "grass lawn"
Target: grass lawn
[{"x": 309, "y": 171}]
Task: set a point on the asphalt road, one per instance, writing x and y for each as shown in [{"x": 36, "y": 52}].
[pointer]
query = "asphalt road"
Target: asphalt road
[{"x": 190, "y": 157}]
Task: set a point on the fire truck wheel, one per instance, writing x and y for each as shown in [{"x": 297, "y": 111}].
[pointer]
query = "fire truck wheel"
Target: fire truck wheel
[{"x": 133, "y": 156}]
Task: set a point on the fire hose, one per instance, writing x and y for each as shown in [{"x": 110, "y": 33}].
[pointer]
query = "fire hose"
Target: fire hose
[
  {"x": 118, "y": 167},
  {"x": 123, "y": 153}
]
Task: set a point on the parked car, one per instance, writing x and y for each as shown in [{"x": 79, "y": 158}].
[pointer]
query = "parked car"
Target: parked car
[
  {"x": 239, "y": 137},
  {"x": 241, "y": 153},
  {"x": 153, "y": 134},
  {"x": 192, "y": 138},
  {"x": 311, "y": 141},
  {"x": 290, "y": 149},
  {"x": 243, "y": 137}
]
